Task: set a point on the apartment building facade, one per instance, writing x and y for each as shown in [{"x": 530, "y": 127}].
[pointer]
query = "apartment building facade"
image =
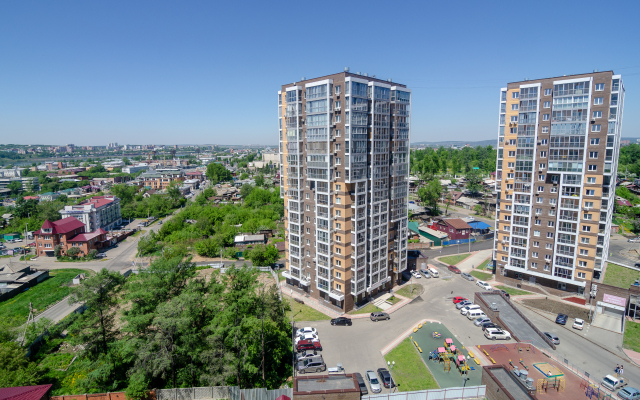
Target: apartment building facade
[
  {"x": 98, "y": 212},
  {"x": 558, "y": 146},
  {"x": 344, "y": 162}
]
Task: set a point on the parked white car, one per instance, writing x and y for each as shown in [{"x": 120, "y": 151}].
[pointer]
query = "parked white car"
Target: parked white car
[
  {"x": 416, "y": 274},
  {"x": 484, "y": 285},
  {"x": 578, "y": 324},
  {"x": 465, "y": 310},
  {"x": 307, "y": 336},
  {"x": 305, "y": 330},
  {"x": 495, "y": 333}
]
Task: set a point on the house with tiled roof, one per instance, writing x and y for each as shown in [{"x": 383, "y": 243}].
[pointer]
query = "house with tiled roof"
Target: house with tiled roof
[
  {"x": 67, "y": 233},
  {"x": 455, "y": 228}
]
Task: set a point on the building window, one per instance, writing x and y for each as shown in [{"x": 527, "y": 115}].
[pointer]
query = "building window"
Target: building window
[
  {"x": 549, "y": 235},
  {"x": 593, "y": 167},
  {"x": 548, "y": 246},
  {"x": 514, "y": 118},
  {"x": 534, "y": 265},
  {"x": 584, "y": 240},
  {"x": 306, "y": 196},
  {"x": 550, "y": 224},
  {"x": 338, "y": 250},
  {"x": 514, "y": 107},
  {"x": 545, "y": 129},
  {"x": 596, "y": 128},
  {"x": 515, "y": 95},
  {"x": 595, "y": 141},
  {"x": 584, "y": 252},
  {"x": 552, "y": 213},
  {"x": 588, "y": 217},
  {"x": 543, "y": 154},
  {"x": 536, "y": 233},
  {"x": 308, "y": 219},
  {"x": 582, "y": 263},
  {"x": 597, "y": 114},
  {"x": 539, "y": 200},
  {"x": 546, "y": 268},
  {"x": 534, "y": 254},
  {"x": 586, "y": 228},
  {"x": 338, "y": 174},
  {"x": 338, "y": 89},
  {"x": 338, "y": 161},
  {"x": 554, "y": 189},
  {"x": 582, "y": 275},
  {"x": 338, "y": 213},
  {"x": 540, "y": 189},
  {"x": 338, "y": 200},
  {"x": 593, "y": 154},
  {"x": 547, "y": 92},
  {"x": 590, "y": 192},
  {"x": 547, "y": 257},
  {"x": 512, "y": 154},
  {"x": 591, "y": 179},
  {"x": 338, "y": 225},
  {"x": 598, "y": 100},
  {"x": 545, "y": 117},
  {"x": 536, "y": 244},
  {"x": 542, "y": 166},
  {"x": 547, "y": 104}
]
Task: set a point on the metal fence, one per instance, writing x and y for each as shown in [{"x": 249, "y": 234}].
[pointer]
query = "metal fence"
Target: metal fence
[
  {"x": 457, "y": 241},
  {"x": 221, "y": 392},
  {"x": 470, "y": 392},
  {"x": 578, "y": 371}
]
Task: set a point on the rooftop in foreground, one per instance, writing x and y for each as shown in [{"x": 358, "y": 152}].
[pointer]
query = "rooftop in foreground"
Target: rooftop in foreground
[{"x": 323, "y": 383}]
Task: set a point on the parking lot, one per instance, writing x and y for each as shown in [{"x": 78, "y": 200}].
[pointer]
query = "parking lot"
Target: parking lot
[{"x": 358, "y": 347}]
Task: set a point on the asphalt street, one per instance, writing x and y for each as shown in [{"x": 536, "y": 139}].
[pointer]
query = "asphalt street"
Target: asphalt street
[
  {"x": 358, "y": 347},
  {"x": 622, "y": 251}
]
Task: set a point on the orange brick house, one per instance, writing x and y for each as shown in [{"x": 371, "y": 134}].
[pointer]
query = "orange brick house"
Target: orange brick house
[{"x": 67, "y": 233}]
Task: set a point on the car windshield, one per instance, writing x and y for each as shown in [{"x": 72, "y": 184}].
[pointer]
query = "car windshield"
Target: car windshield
[
  {"x": 374, "y": 381},
  {"x": 609, "y": 381}
]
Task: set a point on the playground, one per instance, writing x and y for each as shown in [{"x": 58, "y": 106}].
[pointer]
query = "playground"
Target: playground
[
  {"x": 448, "y": 360},
  {"x": 549, "y": 378}
]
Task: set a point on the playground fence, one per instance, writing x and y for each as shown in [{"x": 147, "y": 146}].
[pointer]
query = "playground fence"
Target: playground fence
[
  {"x": 578, "y": 371},
  {"x": 469, "y": 392}
]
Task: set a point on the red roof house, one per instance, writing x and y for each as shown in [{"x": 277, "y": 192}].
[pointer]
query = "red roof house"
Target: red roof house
[
  {"x": 623, "y": 202},
  {"x": 67, "y": 233},
  {"x": 38, "y": 392},
  {"x": 455, "y": 228}
]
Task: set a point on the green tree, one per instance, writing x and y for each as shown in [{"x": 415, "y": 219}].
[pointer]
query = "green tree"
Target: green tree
[
  {"x": 262, "y": 255},
  {"x": 73, "y": 252},
  {"x": 259, "y": 180},
  {"x": 474, "y": 181},
  {"x": 478, "y": 209},
  {"x": 15, "y": 187},
  {"x": 218, "y": 173},
  {"x": 97, "y": 169},
  {"x": 244, "y": 176},
  {"x": 16, "y": 368},
  {"x": 430, "y": 195}
]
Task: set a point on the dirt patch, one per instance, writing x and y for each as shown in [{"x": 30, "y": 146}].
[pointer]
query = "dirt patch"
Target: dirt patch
[
  {"x": 556, "y": 307},
  {"x": 263, "y": 277}
]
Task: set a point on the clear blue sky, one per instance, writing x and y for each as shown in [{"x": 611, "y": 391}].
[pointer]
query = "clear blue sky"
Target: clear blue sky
[{"x": 93, "y": 72}]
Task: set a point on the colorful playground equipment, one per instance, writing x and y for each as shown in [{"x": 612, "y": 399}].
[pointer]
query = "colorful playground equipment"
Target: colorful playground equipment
[{"x": 553, "y": 377}]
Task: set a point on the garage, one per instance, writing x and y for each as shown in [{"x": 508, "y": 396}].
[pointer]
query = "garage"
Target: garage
[{"x": 610, "y": 313}]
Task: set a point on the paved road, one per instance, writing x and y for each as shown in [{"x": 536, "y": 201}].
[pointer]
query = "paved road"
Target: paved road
[
  {"x": 358, "y": 347},
  {"x": 58, "y": 311},
  {"x": 621, "y": 251}
]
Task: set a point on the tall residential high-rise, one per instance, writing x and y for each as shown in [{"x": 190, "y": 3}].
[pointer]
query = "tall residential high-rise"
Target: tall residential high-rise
[
  {"x": 344, "y": 149},
  {"x": 559, "y": 140}
]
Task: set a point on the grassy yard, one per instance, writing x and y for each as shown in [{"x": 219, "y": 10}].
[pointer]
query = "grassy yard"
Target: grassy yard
[
  {"x": 513, "y": 291},
  {"x": 483, "y": 276},
  {"x": 302, "y": 312},
  {"x": 620, "y": 276},
  {"x": 485, "y": 265},
  {"x": 393, "y": 300},
  {"x": 632, "y": 336},
  {"x": 369, "y": 308},
  {"x": 405, "y": 291},
  {"x": 15, "y": 310},
  {"x": 453, "y": 260},
  {"x": 409, "y": 372},
  {"x": 280, "y": 277}
]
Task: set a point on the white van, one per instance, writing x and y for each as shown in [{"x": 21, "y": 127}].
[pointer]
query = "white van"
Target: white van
[
  {"x": 433, "y": 272},
  {"x": 474, "y": 314},
  {"x": 465, "y": 310}
]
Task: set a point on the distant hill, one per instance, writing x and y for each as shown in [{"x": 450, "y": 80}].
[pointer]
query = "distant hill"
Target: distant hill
[{"x": 457, "y": 143}]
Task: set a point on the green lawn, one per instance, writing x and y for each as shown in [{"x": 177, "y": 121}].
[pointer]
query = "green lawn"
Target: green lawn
[
  {"x": 453, "y": 260},
  {"x": 620, "y": 276},
  {"x": 513, "y": 291},
  {"x": 405, "y": 291},
  {"x": 393, "y": 300},
  {"x": 369, "y": 308},
  {"x": 484, "y": 264},
  {"x": 483, "y": 276},
  {"x": 409, "y": 372},
  {"x": 280, "y": 277},
  {"x": 632, "y": 336},
  {"x": 15, "y": 310},
  {"x": 302, "y": 312}
]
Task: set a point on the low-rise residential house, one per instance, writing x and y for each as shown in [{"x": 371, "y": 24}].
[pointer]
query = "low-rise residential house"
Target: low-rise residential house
[
  {"x": 455, "y": 228},
  {"x": 48, "y": 196},
  {"x": 67, "y": 233},
  {"x": 132, "y": 169},
  {"x": 192, "y": 184},
  {"x": 246, "y": 240},
  {"x": 160, "y": 179},
  {"x": 190, "y": 175},
  {"x": 466, "y": 202}
]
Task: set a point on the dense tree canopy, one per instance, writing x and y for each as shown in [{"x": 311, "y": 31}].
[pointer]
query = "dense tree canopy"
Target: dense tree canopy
[{"x": 218, "y": 173}]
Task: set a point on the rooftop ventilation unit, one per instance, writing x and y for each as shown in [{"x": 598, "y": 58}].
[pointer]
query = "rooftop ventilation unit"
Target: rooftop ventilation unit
[
  {"x": 346, "y": 69},
  {"x": 303, "y": 79},
  {"x": 365, "y": 74}
]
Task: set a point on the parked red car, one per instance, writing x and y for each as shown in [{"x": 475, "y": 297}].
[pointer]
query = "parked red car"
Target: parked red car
[
  {"x": 308, "y": 345},
  {"x": 454, "y": 269},
  {"x": 458, "y": 299}
]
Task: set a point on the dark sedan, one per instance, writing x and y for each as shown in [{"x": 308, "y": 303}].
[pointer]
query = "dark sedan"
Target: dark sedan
[
  {"x": 341, "y": 321},
  {"x": 562, "y": 319},
  {"x": 489, "y": 325},
  {"x": 385, "y": 377},
  {"x": 454, "y": 269},
  {"x": 361, "y": 384}
]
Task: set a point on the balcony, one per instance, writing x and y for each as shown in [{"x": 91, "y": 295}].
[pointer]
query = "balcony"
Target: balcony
[{"x": 334, "y": 294}]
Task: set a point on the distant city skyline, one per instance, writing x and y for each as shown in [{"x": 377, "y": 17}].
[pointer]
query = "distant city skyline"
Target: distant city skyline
[{"x": 93, "y": 73}]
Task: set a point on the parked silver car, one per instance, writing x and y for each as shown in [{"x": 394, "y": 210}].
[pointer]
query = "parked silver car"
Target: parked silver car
[
  {"x": 379, "y": 316},
  {"x": 373, "y": 381},
  {"x": 313, "y": 364},
  {"x": 467, "y": 276}
]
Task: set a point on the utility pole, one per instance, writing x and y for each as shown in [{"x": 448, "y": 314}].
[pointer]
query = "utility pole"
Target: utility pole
[{"x": 293, "y": 340}]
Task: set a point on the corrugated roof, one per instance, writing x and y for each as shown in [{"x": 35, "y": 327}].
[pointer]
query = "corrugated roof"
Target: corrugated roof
[
  {"x": 85, "y": 237},
  {"x": 24, "y": 392},
  {"x": 457, "y": 223}
]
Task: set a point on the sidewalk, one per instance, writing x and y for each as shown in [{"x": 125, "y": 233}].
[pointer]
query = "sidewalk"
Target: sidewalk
[
  {"x": 468, "y": 264},
  {"x": 318, "y": 306}
]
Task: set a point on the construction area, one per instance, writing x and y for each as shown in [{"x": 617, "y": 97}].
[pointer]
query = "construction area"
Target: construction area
[{"x": 449, "y": 361}]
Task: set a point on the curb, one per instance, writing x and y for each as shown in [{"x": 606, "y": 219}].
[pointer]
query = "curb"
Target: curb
[
  {"x": 395, "y": 342},
  {"x": 584, "y": 337}
]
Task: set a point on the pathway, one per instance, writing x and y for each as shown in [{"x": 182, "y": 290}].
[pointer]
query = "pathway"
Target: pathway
[{"x": 475, "y": 259}]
